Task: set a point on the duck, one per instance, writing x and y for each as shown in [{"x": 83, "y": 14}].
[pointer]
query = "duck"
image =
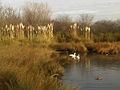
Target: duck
[{"x": 99, "y": 78}]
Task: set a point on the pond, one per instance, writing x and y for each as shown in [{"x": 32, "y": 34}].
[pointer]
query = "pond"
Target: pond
[{"x": 94, "y": 72}]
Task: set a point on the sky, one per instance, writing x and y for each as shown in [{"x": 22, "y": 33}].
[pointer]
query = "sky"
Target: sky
[{"x": 101, "y": 9}]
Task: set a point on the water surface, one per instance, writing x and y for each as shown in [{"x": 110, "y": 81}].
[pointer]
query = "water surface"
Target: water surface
[{"x": 84, "y": 73}]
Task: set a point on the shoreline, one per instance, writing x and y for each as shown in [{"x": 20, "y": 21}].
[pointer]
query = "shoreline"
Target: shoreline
[{"x": 104, "y": 48}]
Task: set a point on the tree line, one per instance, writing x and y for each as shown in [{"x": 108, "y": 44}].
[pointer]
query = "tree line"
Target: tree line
[{"x": 34, "y": 13}]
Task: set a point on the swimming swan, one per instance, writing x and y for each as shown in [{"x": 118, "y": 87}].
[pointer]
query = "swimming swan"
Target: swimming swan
[
  {"x": 73, "y": 55},
  {"x": 76, "y": 57}
]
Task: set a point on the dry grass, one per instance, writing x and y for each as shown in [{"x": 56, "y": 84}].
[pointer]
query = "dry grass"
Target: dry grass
[
  {"x": 89, "y": 47},
  {"x": 104, "y": 47},
  {"x": 71, "y": 47},
  {"x": 28, "y": 68},
  {"x": 37, "y": 67}
]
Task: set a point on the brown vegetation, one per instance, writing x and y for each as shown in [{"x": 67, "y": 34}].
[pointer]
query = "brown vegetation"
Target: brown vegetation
[
  {"x": 71, "y": 47},
  {"x": 88, "y": 47},
  {"x": 36, "y": 13},
  {"x": 31, "y": 63},
  {"x": 29, "y": 68},
  {"x": 104, "y": 47}
]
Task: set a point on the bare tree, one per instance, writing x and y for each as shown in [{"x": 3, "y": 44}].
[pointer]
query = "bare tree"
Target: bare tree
[
  {"x": 36, "y": 13},
  {"x": 10, "y": 16},
  {"x": 105, "y": 26},
  {"x": 62, "y": 23},
  {"x": 85, "y": 19},
  {"x": 1, "y": 14},
  {"x": 64, "y": 18}
]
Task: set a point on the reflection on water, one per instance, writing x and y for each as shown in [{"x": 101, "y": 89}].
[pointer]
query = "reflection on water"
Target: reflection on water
[{"x": 84, "y": 73}]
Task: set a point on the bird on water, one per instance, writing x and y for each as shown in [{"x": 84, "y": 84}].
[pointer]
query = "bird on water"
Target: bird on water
[{"x": 74, "y": 56}]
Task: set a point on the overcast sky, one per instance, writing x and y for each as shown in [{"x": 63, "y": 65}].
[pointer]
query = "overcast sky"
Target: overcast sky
[{"x": 101, "y": 9}]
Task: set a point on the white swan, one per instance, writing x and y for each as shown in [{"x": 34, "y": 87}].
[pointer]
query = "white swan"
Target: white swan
[
  {"x": 73, "y": 55},
  {"x": 78, "y": 57}
]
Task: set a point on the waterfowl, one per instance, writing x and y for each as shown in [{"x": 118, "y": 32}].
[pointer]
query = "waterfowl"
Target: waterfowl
[
  {"x": 99, "y": 78},
  {"x": 78, "y": 57},
  {"x": 108, "y": 54},
  {"x": 73, "y": 55}
]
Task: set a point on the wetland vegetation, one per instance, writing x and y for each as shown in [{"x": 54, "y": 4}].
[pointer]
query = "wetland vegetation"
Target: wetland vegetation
[{"x": 31, "y": 42}]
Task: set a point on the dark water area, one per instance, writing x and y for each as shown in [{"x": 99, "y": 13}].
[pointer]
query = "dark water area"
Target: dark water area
[{"x": 91, "y": 67}]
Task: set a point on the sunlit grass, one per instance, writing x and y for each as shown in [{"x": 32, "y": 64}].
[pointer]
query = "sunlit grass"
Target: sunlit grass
[
  {"x": 28, "y": 68},
  {"x": 71, "y": 47},
  {"x": 104, "y": 47}
]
